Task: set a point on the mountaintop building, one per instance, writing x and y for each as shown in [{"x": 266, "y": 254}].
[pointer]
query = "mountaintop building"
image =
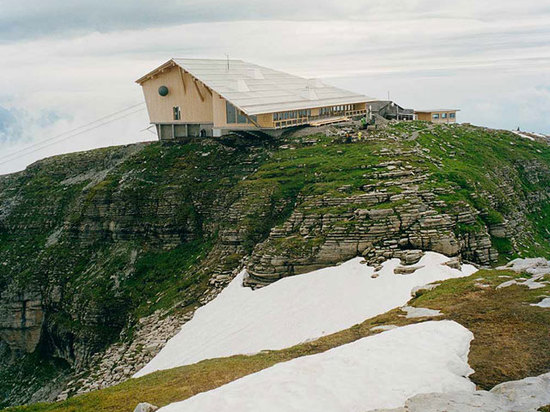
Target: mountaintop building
[
  {"x": 437, "y": 115},
  {"x": 390, "y": 110},
  {"x": 204, "y": 97}
]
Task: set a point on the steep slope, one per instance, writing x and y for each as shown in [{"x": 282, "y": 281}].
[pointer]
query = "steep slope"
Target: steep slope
[
  {"x": 104, "y": 254},
  {"x": 92, "y": 242},
  {"x": 298, "y": 309}
]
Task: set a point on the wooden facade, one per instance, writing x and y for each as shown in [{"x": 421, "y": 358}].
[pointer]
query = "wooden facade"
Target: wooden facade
[{"x": 437, "y": 116}]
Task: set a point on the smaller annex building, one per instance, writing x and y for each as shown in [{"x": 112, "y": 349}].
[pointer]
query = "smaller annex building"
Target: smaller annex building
[
  {"x": 390, "y": 110},
  {"x": 437, "y": 115},
  {"x": 205, "y": 97}
]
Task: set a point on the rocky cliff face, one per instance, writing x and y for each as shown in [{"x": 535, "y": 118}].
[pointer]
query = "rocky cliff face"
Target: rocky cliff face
[
  {"x": 22, "y": 319},
  {"x": 104, "y": 254},
  {"x": 415, "y": 195}
]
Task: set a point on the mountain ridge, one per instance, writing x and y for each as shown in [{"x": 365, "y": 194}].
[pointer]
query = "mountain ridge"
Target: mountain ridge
[{"x": 103, "y": 245}]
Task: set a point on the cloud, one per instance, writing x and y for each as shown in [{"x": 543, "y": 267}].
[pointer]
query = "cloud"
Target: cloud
[
  {"x": 488, "y": 58},
  {"x": 9, "y": 126},
  {"x": 37, "y": 18}
]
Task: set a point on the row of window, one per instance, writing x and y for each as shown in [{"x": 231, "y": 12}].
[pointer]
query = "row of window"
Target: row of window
[
  {"x": 443, "y": 116},
  {"x": 336, "y": 109},
  {"x": 234, "y": 115},
  {"x": 294, "y": 114}
]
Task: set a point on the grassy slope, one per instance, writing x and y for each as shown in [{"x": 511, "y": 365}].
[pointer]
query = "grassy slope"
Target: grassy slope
[
  {"x": 478, "y": 161},
  {"x": 103, "y": 280},
  {"x": 511, "y": 342},
  {"x": 474, "y": 162},
  {"x": 470, "y": 160}
]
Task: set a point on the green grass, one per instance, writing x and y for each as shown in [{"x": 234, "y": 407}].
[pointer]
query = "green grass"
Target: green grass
[
  {"x": 161, "y": 277},
  {"x": 511, "y": 337},
  {"x": 484, "y": 158}
]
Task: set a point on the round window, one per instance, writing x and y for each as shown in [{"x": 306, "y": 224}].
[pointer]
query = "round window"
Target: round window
[{"x": 163, "y": 91}]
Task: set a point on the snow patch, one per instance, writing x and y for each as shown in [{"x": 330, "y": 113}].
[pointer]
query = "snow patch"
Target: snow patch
[
  {"x": 530, "y": 283},
  {"x": 534, "y": 266},
  {"x": 413, "y": 312},
  {"x": 428, "y": 287},
  {"x": 545, "y": 303},
  {"x": 383, "y": 328},
  {"x": 379, "y": 371},
  {"x": 295, "y": 309},
  {"x": 525, "y": 136},
  {"x": 537, "y": 267}
]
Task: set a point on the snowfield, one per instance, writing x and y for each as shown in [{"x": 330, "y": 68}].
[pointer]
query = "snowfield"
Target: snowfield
[
  {"x": 296, "y": 309},
  {"x": 380, "y": 371}
]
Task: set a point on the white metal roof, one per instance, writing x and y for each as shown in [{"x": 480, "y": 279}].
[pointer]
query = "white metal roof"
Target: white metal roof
[{"x": 255, "y": 89}]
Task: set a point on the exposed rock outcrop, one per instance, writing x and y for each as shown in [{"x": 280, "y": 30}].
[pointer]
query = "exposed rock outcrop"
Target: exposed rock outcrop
[
  {"x": 392, "y": 218},
  {"x": 21, "y": 318},
  {"x": 526, "y": 395},
  {"x": 105, "y": 254}
]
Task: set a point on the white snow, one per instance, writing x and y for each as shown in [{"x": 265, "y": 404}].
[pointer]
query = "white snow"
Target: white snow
[
  {"x": 380, "y": 371},
  {"x": 383, "y": 328},
  {"x": 537, "y": 267},
  {"x": 295, "y": 309},
  {"x": 422, "y": 288},
  {"x": 545, "y": 303},
  {"x": 413, "y": 312},
  {"x": 530, "y": 283},
  {"x": 525, "y": 136},
  {"x": 534, "y": 266}
]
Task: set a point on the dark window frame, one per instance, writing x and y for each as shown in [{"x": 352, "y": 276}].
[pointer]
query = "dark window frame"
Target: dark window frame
[
  {"x": 176, "y": 113},
  {"x": 230, "y": 113}
]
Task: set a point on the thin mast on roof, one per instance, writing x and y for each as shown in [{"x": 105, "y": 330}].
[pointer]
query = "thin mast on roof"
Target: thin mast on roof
[{"x": 227, "y": 56}]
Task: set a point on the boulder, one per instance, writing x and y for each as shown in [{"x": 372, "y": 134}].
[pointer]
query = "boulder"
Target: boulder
[
  {"x": 145, "y": 407},
  {"x": 406, "y": 270},
  {"x": 454, "y": 263},
  {"x": 410, "y": 257},
  {"x": 526, "y": 395}
]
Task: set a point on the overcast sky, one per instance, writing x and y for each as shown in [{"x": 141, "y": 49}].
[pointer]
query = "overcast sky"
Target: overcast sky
[{"x": 66, "y": 64}]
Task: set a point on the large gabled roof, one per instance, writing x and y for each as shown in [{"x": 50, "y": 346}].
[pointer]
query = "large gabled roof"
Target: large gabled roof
[{"x": 255, "y": 89}]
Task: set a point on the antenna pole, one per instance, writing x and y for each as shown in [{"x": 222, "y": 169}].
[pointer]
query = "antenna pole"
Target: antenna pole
[{"x": 227, "y": 56}]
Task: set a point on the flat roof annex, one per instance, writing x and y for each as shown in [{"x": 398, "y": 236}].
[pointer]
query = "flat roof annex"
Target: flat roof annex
[
  {"x": 437, "y": 110},
  {"x": 256, "y": 89}
]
